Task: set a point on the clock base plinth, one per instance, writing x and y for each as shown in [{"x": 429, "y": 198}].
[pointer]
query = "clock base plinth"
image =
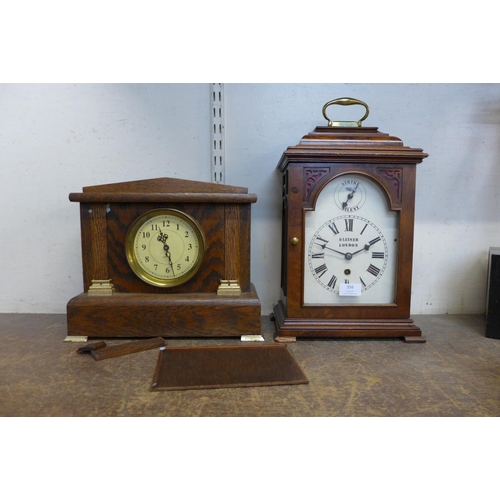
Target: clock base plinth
[
  {"x": 291, "y": 328},
  {"x": 164, "y": 315}
]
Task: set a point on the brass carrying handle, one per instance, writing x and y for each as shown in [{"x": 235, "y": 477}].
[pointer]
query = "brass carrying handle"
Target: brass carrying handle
[{"x": 345, "y": 101}]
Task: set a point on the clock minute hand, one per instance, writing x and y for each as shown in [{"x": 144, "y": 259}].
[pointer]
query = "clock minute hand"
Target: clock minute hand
[
  {"x": 163, "y": 239},
  {"x": 170, "y": 260},
  {"x": 167, "y": 253},
  {"x": 332, "y": 249}
]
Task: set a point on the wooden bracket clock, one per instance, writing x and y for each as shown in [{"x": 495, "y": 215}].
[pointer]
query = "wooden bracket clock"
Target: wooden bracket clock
[
  {"x": 347, "y": 234},
  {"x": 165, "y": 258}
]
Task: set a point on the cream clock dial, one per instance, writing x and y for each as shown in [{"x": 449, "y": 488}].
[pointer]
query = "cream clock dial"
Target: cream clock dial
[
  {"x": 351, "y": 237},
  {"x": 165, "y": 247}
]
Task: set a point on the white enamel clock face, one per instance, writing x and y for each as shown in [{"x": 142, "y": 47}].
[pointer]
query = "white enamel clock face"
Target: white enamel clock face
[
  {"x": 165, "y": 247},
  {"x": 351, "y": 238}
]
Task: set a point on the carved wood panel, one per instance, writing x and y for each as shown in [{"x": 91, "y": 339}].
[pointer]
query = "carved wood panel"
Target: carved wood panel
[
  {"x": 394, "y": 181},
  {"x": 311, "y": 177}
]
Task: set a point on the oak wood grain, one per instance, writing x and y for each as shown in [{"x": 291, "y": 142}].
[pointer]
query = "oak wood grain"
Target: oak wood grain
[
  {"x": 211, "y": 219},
  {"x": 152, "y": 315},
  {"x": 94, "y": 243}
]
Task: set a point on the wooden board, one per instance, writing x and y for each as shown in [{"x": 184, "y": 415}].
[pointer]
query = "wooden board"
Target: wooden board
[
  {"x": 126, "y": 348},
  {"x": 182, "y": 368}
]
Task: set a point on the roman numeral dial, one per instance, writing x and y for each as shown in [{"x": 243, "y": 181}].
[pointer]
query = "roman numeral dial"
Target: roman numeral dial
[{"x": 347, "y": 249}]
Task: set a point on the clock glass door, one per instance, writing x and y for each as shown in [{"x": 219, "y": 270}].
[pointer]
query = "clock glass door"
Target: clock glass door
[{"x": 351, "y": 244}]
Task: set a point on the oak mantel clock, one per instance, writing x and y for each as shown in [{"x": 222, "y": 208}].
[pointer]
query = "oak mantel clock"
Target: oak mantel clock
[
  {"x": 165, "y": 258},
  {"x": 347, "y": 234}
]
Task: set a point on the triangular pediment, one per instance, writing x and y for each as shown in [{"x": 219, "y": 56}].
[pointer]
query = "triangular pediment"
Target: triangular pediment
[{"x": 164, "y": 185}]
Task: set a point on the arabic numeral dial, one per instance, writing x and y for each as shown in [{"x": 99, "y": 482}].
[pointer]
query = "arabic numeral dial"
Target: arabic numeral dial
[{"x": 165, "y": 247}]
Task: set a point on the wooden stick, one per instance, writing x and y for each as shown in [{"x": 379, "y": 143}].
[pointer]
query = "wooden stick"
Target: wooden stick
[
  {"x": 127, "y": 348},
  {"x": 88, "y": 348}
]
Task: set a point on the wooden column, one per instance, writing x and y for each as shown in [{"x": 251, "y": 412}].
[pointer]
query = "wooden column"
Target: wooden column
[{"x": 94, "y": 243}]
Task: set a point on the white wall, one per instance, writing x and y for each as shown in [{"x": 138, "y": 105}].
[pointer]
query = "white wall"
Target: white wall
[{"x": 57, "y": 138}]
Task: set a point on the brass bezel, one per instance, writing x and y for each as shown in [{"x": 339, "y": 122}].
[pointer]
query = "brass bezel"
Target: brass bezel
[{"x": 132, "y": 258}]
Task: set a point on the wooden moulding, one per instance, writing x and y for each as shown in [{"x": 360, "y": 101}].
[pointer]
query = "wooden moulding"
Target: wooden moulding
[
  {"x": 360, "y": 145},
  {"x": 162, "y": 198},
  {"x": 163, "y": 190},
  {"x": 358, "y": 328},
  {"x": 158, "y": 315}
]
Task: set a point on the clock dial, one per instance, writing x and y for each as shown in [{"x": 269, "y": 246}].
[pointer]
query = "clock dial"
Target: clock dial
[
  {"x": 165, "y": 247},
  {"x": 350, "y": 194},
  {"x": 347, "y": 249},
  {"x": 351, "y": 237}
]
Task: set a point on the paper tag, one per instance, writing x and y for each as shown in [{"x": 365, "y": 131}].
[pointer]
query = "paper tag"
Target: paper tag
[{"x": 350, "y": 289}]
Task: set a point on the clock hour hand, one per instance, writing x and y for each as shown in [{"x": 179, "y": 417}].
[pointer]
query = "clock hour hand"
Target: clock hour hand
[
  {"x": 367, "y": 246},
  {"x": 162, "y": 237}
]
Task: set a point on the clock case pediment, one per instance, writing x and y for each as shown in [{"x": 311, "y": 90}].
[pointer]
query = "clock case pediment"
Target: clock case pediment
[
  {"x": 161, "y": 187},
  {"x": 321, "y": 156}
]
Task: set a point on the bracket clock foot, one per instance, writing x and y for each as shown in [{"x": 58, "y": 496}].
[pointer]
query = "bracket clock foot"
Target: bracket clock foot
[
  {"x": 252, "y": 338},
  {"x": 283, "y": 340},
  {"x": 415, "y": 340},
  {"x": 70, "y": 338}
]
